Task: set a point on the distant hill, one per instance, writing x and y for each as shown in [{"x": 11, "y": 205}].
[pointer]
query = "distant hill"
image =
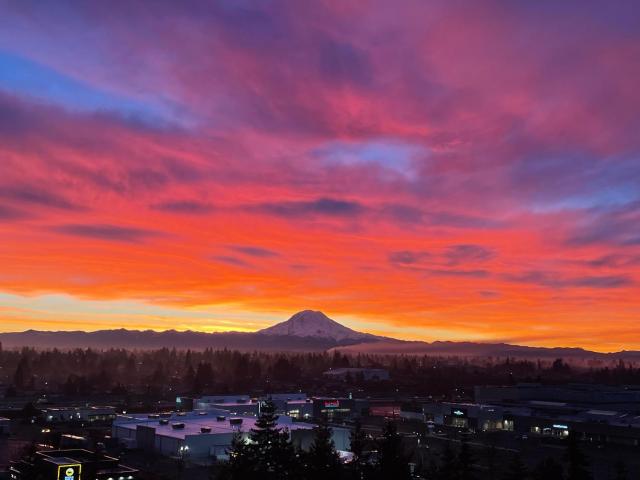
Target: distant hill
[
  {"x": 472, "y": 349},
  {"x": 148, "y": 339},
  {"x": 305, "y": 331}
]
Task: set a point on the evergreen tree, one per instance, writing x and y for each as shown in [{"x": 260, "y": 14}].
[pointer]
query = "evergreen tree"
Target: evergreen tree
[
  {"x": 272, "y": 453},
  {"x": 203, "y": 377},
  {"x": 322, "y": 460},
  {"x": 269, "y": 455},
  {"x": 189, "y": 378},
  {"x": 22, "y": 375},
  {"x": 516, "y": 470},
  {"x": 578, "y": 466},
  {"x": 240, "y": 465},
  {"x": 392, "y": 462},
  {"x": 357, "y": 440}
]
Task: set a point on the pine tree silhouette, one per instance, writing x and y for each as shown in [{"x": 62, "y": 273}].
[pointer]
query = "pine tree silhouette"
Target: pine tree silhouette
[
  {"x": 359, "y": 464},
  {"x": 322, "y": 461},
  {"x": 268, "y": 455},
  {"x": 392, "y": 461}
]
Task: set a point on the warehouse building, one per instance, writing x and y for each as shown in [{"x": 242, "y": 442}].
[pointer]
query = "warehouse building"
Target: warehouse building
[
  {"x": 605, "y": 397},
  {"x": 203, "y": 435},
  {"x": 292, "y": 404},
  {"x": 538, "y": 418},
  {"x": 79, "y": 414}
]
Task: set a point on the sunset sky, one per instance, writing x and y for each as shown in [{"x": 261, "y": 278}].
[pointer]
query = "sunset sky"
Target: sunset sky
[{"x": 453, "y": 170}]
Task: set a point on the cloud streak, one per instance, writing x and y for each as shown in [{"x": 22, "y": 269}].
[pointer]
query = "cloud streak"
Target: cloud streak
[
  {"x": 408, "y": 167},
  {"x": 105, "y": 232}
]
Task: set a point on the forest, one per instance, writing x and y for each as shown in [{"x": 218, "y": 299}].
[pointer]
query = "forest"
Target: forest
[{"x": 163, "y": 373}]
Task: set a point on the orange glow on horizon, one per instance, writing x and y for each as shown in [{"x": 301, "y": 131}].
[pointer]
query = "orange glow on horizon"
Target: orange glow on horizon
[{"x": 215, "y": 179}]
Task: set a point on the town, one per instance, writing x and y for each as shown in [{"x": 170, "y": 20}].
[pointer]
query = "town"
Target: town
[{"x": 421, "y": 417}]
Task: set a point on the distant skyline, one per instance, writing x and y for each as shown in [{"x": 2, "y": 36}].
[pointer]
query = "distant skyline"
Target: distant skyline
[{"x": 441, "y": 170}]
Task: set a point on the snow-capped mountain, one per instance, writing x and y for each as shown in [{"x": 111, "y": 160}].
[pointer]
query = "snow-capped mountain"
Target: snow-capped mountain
[
  {"x": 306, "y": 331},
  {"x": 309, "y": 323}
]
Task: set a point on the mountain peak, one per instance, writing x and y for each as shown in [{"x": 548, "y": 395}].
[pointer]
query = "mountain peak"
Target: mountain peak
[{"x": 310, "y": 323}]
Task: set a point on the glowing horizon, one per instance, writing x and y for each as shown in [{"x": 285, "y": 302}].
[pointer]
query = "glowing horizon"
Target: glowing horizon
[{"x": 440, "y": 171}]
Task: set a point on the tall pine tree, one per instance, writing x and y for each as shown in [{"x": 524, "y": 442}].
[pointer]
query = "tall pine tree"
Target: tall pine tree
[
  {"x": 358, "y": 467},
  {"x": 392, "y": 461},
  {"x": 273, "y": 454},
  {"x": 322, "y": 460},
  {"x": 268, "y": 455}
]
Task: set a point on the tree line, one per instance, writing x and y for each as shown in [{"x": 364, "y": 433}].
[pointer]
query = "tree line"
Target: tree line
[{"x": 165, "y": 372}]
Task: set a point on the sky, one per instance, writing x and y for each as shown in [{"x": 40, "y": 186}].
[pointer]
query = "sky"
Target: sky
[{"x": 452, "y": 170}]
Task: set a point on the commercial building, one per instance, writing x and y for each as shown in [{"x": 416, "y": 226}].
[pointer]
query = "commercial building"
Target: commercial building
[
  {"x": 70, "y": 465},
  {"x": 203, "y": 435},
  {"x": 296, "y": 405},
  {"x": 299, "y": 409},
  {"x": 210, "y": 401},
  {"x": 334, "y": 409},
  {"x": 384, "y": 407},
  {"x": 292, "y": 404},
  {"x": 471, "y": 416},
  {"x": 79, "y": 414},
  {"x": 538, "y": 418},
  {"x": 625, "y": 398}
]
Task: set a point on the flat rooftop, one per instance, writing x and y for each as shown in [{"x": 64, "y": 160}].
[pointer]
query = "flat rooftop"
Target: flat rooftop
[{"x": 194, "y": 424}]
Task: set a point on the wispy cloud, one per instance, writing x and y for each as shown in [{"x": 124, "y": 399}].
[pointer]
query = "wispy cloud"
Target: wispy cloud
[
  {"x": 188, "y": 207},
  {"x": 253, "y": 251},
  {"x": 105, "y": 232}
]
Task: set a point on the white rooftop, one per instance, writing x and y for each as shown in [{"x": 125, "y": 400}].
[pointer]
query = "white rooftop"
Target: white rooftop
[{"x": 194, "y": 423}]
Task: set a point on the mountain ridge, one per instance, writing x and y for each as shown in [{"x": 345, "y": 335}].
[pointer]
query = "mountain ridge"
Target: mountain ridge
[{"x": 307, "y": 330}]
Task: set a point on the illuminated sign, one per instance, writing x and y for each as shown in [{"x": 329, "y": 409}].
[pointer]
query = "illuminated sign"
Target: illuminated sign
[
  {"x": 458, "y": 413},
  {"x": 70, "y": 472},
  {"x": 331, "y": 403},
  {"x": 563, "y": 427}
]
